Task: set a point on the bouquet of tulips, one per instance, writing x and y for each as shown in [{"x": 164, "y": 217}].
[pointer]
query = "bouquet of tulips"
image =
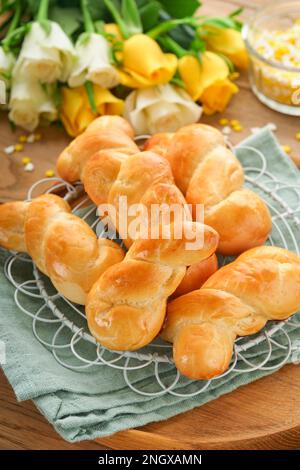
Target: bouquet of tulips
[{"x": 158, "y": 63}]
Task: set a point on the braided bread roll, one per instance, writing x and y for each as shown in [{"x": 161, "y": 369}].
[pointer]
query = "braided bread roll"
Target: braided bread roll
[
  {"x": 208, "y": 173},
  {"x": 144, "y": 178},
  {"x": 126, "y": 307},
  {"x": 106, "y": 132},
  {"x": 262, "y": 284},
  {"x": 62, "y": 245},
  {"x": 100, "y": 158}
]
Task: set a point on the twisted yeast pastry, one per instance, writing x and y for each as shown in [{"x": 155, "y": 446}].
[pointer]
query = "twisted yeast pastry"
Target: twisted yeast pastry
[
  {"x": 101, "y": 159},
  {"x": 262, "y": 284},
  {"x": 106, "y": 132},
  {"x": 62, "y": 245},
  {"x": 127, "y": 305},
  {"x": 208, "y": 173},
  {"x": 144, "y": 178}
]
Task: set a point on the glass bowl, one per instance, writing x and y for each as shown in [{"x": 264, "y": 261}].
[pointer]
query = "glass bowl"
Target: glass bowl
[{"x": 276, "y": 84}]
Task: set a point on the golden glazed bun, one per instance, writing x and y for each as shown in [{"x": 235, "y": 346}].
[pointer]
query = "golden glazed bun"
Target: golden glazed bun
[
  {"x": 62, "y": 245},
  {"x": 126, "y": 307},
  {"x": 12, "y": 221},
  {"x": 144, "y": 178},
  {"x": 208, "y": 173},
  {"x": 110, "y": 166},
  {"x": 262, "y": 284},
  {"x": 106, "y": 132}
]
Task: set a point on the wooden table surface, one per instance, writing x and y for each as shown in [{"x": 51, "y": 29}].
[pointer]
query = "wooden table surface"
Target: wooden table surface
[{"x": 262, "y": 415}]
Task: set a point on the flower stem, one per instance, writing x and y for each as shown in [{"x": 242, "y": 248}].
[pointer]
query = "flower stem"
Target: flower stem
[
  {"x": 117, "y": 17},
  {"x": 172, "y": 46},
  {"x": 14, "y": 31},
  {"x": 131, "y": 17},
  {"x": 43, "y": 10},
  {"x": 163, "y": 28},
  {"x": 87, "y": 18},
  {"x": 16, "y": 18},
  {"x": 90, "y": 93}
]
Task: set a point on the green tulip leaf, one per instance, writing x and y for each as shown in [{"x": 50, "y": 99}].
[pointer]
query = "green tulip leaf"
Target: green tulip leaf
[
  {"x": 180, "y": 8},
  {"x": 70, "y": 19}
]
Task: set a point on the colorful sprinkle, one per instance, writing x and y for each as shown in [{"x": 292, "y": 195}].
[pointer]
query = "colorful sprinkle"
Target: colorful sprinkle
[
  {"x": 29, "y": 167},
  {"x": 223, "y": 122},
  {"x": 237, "y": 128},
  {"x": 49, "y": 173},
  {"x": 19, "y": 147},
  {"x": 286, "y": 148},
  {"x": 31, "y": 139},
  {"x": 9, "y": 150},
  {"x": 226, "y": 130},
  {"x": 297, "y": 136},
  {"x": 23, "y": 139},
  {"x": 26, "y": 160},
  {"x": 234, "y": 122},
  {"x": 37, "y": 137}
]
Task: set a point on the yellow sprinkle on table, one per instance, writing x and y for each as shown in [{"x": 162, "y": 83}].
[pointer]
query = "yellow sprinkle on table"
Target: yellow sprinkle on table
[
  {"x": 26, "y": 160},
  {"x": 223, "y": 122},
  {"x": 237, "y": 128},
  {"x": 19, "y": 147},
  {"x": 286, "y": 148},
  {"x": 297, "y": 136},
  {"x": 23, "y": 139},
  {"x": 37, "y": 137},
  {"x": 49, "y": 173},
  {"x": 234, "y": 123}
]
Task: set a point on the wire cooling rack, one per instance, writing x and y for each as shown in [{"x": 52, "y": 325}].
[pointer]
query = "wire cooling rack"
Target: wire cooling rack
[{"x": 81, "y": 351}]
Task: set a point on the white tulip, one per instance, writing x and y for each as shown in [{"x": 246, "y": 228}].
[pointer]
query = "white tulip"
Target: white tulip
[
  {"x": 29, "y": 104},
  {"x": 93, "y": 63},
  {"x": 164, "y": 108},
  {"x": 46, "y": 57}
]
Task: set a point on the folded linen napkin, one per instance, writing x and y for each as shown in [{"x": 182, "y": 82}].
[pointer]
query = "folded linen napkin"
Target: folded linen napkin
[{"x": 96, "y": 402}]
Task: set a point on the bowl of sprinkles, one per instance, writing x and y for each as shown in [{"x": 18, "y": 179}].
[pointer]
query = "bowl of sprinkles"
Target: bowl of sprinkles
[{"x": 273, "y": 41}]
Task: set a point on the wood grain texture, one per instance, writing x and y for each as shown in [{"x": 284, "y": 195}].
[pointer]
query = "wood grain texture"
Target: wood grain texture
[
  {"x": 262, "y": 415},
  {"x": 14, "y": 181}
]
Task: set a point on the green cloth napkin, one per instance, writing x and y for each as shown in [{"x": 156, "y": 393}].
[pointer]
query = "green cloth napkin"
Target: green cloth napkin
[{"x": 97, "y": 402}]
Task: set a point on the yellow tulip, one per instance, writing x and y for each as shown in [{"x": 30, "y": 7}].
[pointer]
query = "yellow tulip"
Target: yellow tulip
[
  {"x": 76, "y": 113},
  {"x": 228, "y": 42},
  {"x": 145, "y": 64},
  {"x": 114, "y": 31},
  {"x": 217, "y": 97},
  {"x": 207, "y": 82}
]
